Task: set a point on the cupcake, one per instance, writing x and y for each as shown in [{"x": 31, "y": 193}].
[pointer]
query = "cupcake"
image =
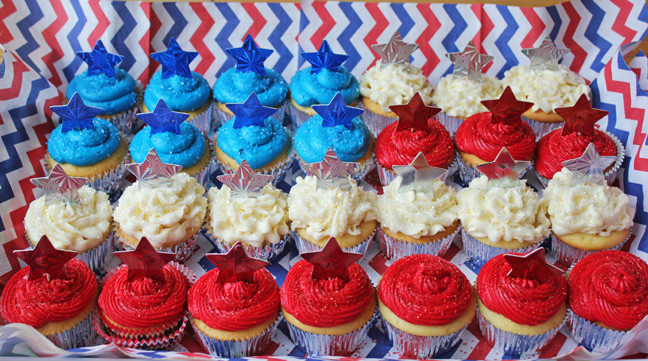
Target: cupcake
[
  {"x": 391, "y": 81},
  {"x": 56, "y": 294},
  {"x": 415, "y": 131},
  {"x": 426, "y": 303},
  {"x": 250, "y": 76},
  {"x": 250, "y": 210},
  {"x": 318, "y": 84},
  {"x": 235, "y": 307},
  {"x": 521, "y": 302},
  {"x": 86, "y": 146},
  {"x": 107, "y": 87},
  {"x": 328, "y": 301},
  {"x": 181, "y": 89},
  {"x": 480, "y": 137},
  {"x": 338, "y": 127},
  {"x": 608, "y": 296},
  {"x": 75, "y": 218},
  {"x": 418, "y": 214}
]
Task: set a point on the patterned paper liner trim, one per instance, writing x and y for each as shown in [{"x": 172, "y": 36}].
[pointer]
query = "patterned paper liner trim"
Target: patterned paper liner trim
[
  {"x": 183, "y": 250},
  {"x": 449, "y": 122},
  {"x": 592, "y": 336},
  {"x": 297, "y": 116},
  {"x": 221, "y": 117},
  {"x": 358, "y": 175},
  {"x": 394, "y": 249},
  {"x": 125, "y": 121},
  {"x": 467, "y": 173},
  {"x": 374, "y": 121},
  {"x": 237, "y": 348},
  {"x": 202, "y": 121},
  {"x": 268, "y": 252},
  {"x": 279, "y": 172},
  {"x": 541, "y": 129},
  {"x": 479, "y": 253},
  {"x": 81, "y": 335},
  {"x": 569, "y": 255},
  {"x": 305, "y": 246}
]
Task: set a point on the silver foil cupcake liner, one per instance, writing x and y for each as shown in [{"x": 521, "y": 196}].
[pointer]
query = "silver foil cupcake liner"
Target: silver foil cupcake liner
[
  {"x": 237, "y": 348},
  {"x": 540, "y": 128},
  {"x": 569, "y": 255},
  {"x": 385, "y": 175},
  {"x": 125, "y": 121},
  {"x": 305, "y": 246},
  {"x": 182, "y": 250},
  {"x": 268, "y": 252},
  {"x": 514, "y": 344},
  {"x": 358, "y": 175},
  {"x": 164, "y": 342},
  {"x": 449, "y": 122},
  {"x": 279, "y": 172},
  {"x": 479, "y": 253},
  {"x": 467, "y": 173},
  {"x": 374, "y": 121},
  {"x": 81, "y": 335},
  {"x": 394, "y": 249},
  {"x": 297, "y": 117},
  {"x": 202, "y": 121},
  {"x": 420, "y": 347},
  {"x": 592, "y": 336},
  {"x": 221, "y": 117}
]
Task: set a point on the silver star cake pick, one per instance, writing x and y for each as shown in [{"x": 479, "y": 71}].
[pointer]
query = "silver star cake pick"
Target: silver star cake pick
[
  {"x": 59, "y": 185},
  {"x": 331, "y": 171},
  {"x": 419, "y": 174},
  {"x": 547, "y": 55},
  {"x": 469, "y": 62},
  {"x": 503, "y": 167},
  {"x": 589, "y": 167},
  {"x": 395, "y": 51},
  {"x": 245, "y": 180},
  {"x": 153, "y": 170}
]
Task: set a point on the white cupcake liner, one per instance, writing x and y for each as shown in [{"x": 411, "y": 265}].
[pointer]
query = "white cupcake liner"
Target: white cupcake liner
[
  {"x": 237, "y": 348},
  {"x": 81, "y": 335},
  {"x": 374, "y": 121},
  {"x": 467, "y": 172},
  {"x": 420, "y": 347},
  {"x": 297, "y": 117},
  {"x": 269, "y": 252},
  {"x": 358, "y": 175},
  {"x": 97, "y": 258},
  {"x": 540, "y": 128},
  {"x": 394, "y": 249},
  {"x": 479, "y": 253},
  {"x": 449, "y": 122},
  {"x": 592, "y": 336},
  {"x": 203, "y": 120},
  {"x": 332, "y": 345},
  {"x": 305, "y": 246},
  {"x": 221, "y": 117},
  {"x": 569, "y": 255},
  {"x": 279, "y": 172},
  {"x": 182, "y": 250}
]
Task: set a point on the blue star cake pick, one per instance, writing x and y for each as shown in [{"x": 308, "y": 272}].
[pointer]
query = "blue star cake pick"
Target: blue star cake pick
[
  {"x": 76, "y": 115},
  {"x": 250, "y": 57},
  {"x": 100, "y": 61},
  {"x": 249, "y": 113},
  {"x": 174, "y": 60},
  {"x": 547, "y": 55},
  {"x": 337, "y": 113},
  {"x": 59, "y": 185},
  {"x": 153, "y": 169},
  {"x": 503, "y": 167},
  {"x": 395, "y": 51},
  {"x": 245, "y": 180},
  {"x": 589, "y": 167},
  {"x": 162, "y": 119},
  {"x": 469, "y": 62},
  {"x": 419, "y": 174},
  {"x": 324, "y": 58},
  {"x": 331, "y": 169}
]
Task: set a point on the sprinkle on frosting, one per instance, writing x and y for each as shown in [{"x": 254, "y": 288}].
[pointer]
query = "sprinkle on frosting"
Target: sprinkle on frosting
[
  {"x": 82, "y": 147},
  {"x": 112, "y": 94},
  {"x": 258, "y": 144},
  {"x": 184, "y": 149},
  {"x": 180, "y": 93},
  {"x": 312, "y": 140},
  {"x": 394, "y": 84},
  {"x": 234, "y": 87},
  {"x": 308, "y": 88},
  {"x": 461, "y": 96}
]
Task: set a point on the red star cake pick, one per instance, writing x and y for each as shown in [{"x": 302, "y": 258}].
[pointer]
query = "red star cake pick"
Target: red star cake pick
[
  {"x": 419, "y": 173},
  {"x": 413, "y": 115},
  {"x": 235, "y": 265},
  {"x": 507, "y": 109},
  {"x": 395, "y": 51},
  {"x": 245, "y": 180},
  {"x": 331, "y": 261},
  {"x": 504, "y": 166},
  {"x": 531, "y": 266},
  {"x": 145, "y": 261},
  {"x": 580, "y": 118},
  {"x": 45, "y": 260},
  {"x": 59, "y": 185}
]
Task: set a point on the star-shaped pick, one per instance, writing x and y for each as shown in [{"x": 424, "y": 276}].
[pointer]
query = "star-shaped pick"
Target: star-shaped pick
[
  {"x": 163, "y": 119},
  {"x": 337, "y": 112},
  {"x": 100, "y": 61},
  {"x": 545, "y": 55},
  {"x": 331, "y": 168},
  {"x": 245, "y": 180},
  {"x": 531, "y": 266},
  {"x": 250, "y": 57},
  {"x": 235, "y": 265},
  {"x": 45, "y": 260},
  {"x": 331, "y": 261},
  {"x": 249, "y": 113},
  {"x": 145, "y": 262},
  {"x": 153, "y": 168},
  {"x": 469, "y": 62},
  {"x": 580, "y": 117},
  {"x": 413, "y": 115},
  {"x": 76, "y": 115},
  {"x": 589, "y": 167},
  {"x": 507, "y": 109},
  {"x": 395, "y": 51},
  {"x": 504, "y": 166},
  {"x": 418, "y": 173},
  {"x": 58, "y": 184},
  {"x": 324, "y": 58},
  {"x": 174, "y": 60}
]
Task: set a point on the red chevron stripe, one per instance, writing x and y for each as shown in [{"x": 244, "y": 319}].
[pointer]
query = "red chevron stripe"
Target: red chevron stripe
[
  {"x": 258, "y": 20},
  {"x": 536, "y": 31},
  {"x": 198, "y": 38},
  {"x": 619, "y": 25},
  {"x": 14, "y": 90},
  {"x": 9, "y": 247},
  {"x": 49, "y": 35},
  {"x": 6, "y": 10},
  {"x": 568, "y": 39},
  {"x": 102, "y": 22},
  {"x": 485, "y": 30},
  {"x": 327, "y": 23},
  {"x": 553, "y": 348},
  {"x": 145, "y": 42},
  {"x": 481, "y": 350},
  {"x": 424, "y": 39},
  {"x": 381, "y": 24},
  {"x": 153, "y": 65}
]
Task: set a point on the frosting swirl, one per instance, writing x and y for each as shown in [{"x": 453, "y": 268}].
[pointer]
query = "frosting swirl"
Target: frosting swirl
[
  {"x": 113, "y": 95},
  {"x": 82, "y": 147},
  {"x": 179, "y": 93},
  {"x": 394, "y": 84},
  {"x": 307, "y": 88},
  {"x": 259, "y": 145},
  {"x": 183, "y": 149},
  {"x": 235, "y": 86},
  {"x": 312, "y": 140},
  {"x": 610, "y": 287},
  {"x": 461, "y": 96}
]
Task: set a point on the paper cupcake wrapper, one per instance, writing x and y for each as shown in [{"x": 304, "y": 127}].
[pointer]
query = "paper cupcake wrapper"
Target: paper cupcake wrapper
[
  {"x": 269, "y": 252},
  {"x": 449, "y": 122},
  {"x": 358, "y": 175},
  {"x": 385, "y": 175},
  {"x": 569, "y": 255},
  {"x": 592, "y": 336},
  {"x": 421, "y": 347},
  {"x": 467, "y": 172},
  {"x": 297, "y": 116},
  {"x": 279, "y": 172},
  {"x": 237, "y": 348},
  {"x": 305, "y": 246},
  {"x": 541, "y": 129},
  {"x": 332, "y": 345},
  {"x": 182, "y": 250},
  {"x": 374, "y": 121},
  {"x": 514, "y": 344},
  {"x": 125, "y": 121},
  {"x": 164, "y": 342},
  {"x": 81, "y": 335},
  {"x": 394, "y": 249},
  {"x": 203, "y": 120},
  {"x": 479, "y": 253},
  {"x": 221, "y": 117}
]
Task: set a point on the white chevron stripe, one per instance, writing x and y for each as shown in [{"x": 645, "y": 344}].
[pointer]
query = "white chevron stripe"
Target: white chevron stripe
[
  {"x": 315, "y": 22},
  {"x": 289, "y": 38},
  {"x": 184, "y": 38},
  {"x": 132, "y": 41},
  {"x": 268, "y": 28},
  {"x": 210, "y": 43},
  {"x": 341, "y": 23},
  {"x": 436, "y": 42},
  {"x": 579, "y": 36},
  {"x": 37, "y": 32},
  {"x": 366, "y": 55},
  {"x": 418, "y": 58},
  {"x": 88, "y": 28},
  {"x": 68, "y": 53},
  {"x": 640, "y": 62},
  {"x": 245, "y": 22}
]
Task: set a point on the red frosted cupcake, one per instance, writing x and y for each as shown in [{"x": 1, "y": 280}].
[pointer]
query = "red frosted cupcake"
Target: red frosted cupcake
[
  {"x": 415, "y": 131},
  {"x": 480, "y": 137}
]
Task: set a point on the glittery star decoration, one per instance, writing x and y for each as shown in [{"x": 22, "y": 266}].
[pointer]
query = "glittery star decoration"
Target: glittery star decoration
[
  {"x": 395, "y": 51},
  {"x": 530, "y": 266},
  {"x": 413, "y": 115},
  {"x": 580, "y": 117},
  {"x": 337, "y": 112},
  {"x": 324, "y": 58},
  {"x": 469, "y": 62},
  {"x": 163, "y": 119},
  {"x": 245, "y": 180},
  {"x": 418, "y": 173},
  {"x": 58, "y": 184},
  {"x": 249, "y": 113},
  {"x": 174, "y": 60},
  {"x": 507, "y": 109},
  {"x": 100, "y": 61},
  {"x": 235, "y": 265},
  {"x": 589, "y": 167},
  {"x": 76, "y": 115},
  {"x": 153, "y": 168},
  {"x": 250, "y": 57},
  {"x": 145, "y": 262},
  {"x": 331, "y": 261},
  {"x": 547, "y": 55},
  {"x": 45, "y": 260},
  {"x": 504, "y": 166},
  {"x": 330, "y": 168}
]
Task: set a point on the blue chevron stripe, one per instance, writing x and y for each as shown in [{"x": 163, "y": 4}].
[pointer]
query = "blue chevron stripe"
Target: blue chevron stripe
[
  {"x": 24, "y": 25},
  {"x": 407, "y": 23},
  {"x": 222, "y": 38},
  {"x": 591, "y": 33},
  {"x": 73, "y": 37},
  {"x": 347, "y": 33},
  {"x": 118, "y": 40},
  {"x": 303, "y": 23},
  {"x": 459, "y": 27},
  {"x": 555, "y": 16},
  {"x": 179, "y": 22},
  {"x": 383, "y": 344},
  {"x": 643, "y": 16},
  {"x": 2, "y": 68},
  {"x": 502, "y": 41},
  {"x": 285, "y": 55}
]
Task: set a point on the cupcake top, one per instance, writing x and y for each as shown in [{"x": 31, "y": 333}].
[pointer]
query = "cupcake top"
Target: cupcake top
[
  {"x": 417, "y": 212},
  {"x": 39, "y": 301},
  {"x": 167, "y": 213},
  {"x": 329, "y": 212},
  {"x": 425, "y": 290},
  {"x": 394, "y": 84},
  {"x": 610, "y": 287},
  {"x": 257, "y": 144},
  {"x": 77, "y": 226},
  {"x": 184, "y": 149},
  {"x": 83, "y": 146},
  {"x": 461, "y": 96},
  {"x": 530, "y": 300},
  {"x": 503, "y": 210}
]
